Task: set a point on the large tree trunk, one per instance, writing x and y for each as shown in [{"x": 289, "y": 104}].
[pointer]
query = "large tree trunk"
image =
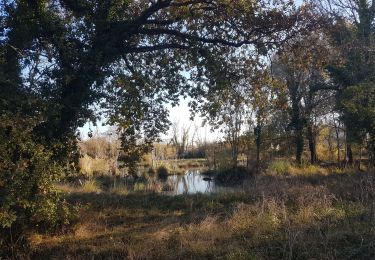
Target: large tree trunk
[
  {"x": 297, "y": 122},
  {"x": 312, "y": 143},
  {"x": 299, "y": 142},
  {"x": 349, "y": 154}
]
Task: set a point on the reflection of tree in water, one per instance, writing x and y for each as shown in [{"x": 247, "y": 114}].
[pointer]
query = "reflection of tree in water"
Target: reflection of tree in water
[
  {"x": 185, "y": 184},
  {"x": 208, "y": 188},
  {"x": 176, "y": 182},
  {"x": 191, "y": 182}
]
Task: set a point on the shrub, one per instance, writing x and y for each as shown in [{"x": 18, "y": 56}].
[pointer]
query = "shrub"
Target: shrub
[
  {"x": 234, "y": 175},
  {"x": 26, "y": 176},
  {"x": 100, "y": 166},
  {"x": 105, "y": 181},
  {"x": 28, "y": 198},
  {"x": 162, "y": 172},
  {"x": 279, "y": 167}
]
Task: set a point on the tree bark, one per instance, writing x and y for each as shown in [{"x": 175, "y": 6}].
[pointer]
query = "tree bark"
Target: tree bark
[
  {"x": 258, "y": 142},
  {"x": 337, "y": 130},
  {"x": 349, "y": 153},
  {"x": 312, "y": 143},
  {"x": 299, "y": 142}
]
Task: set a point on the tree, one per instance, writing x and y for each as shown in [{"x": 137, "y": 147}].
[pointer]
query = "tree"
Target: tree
[
  {"x": 180, "y": 138},
  {"x": 226, "y": 104},
  {"x": 352, "y": 32},
  {"x": 65, "y": 62},
  {"x": 358, "y": 105},
  {"x": 74, "y": 51},
  {"x": 301, "y": 66}
]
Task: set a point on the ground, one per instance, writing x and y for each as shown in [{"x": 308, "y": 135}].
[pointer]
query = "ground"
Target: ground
[{"x": 300, "y": 216}]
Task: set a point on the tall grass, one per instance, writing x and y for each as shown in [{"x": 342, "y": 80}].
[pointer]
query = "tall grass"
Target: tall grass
[
  {"x": 284, "y": 167},
  {"x": 299, "y": 216},
  {"x": 279, "y": 167},
  {"x": 90, "y": 186}
]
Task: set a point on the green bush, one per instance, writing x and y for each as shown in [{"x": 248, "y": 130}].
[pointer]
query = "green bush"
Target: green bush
[
  {"x": 279, "y": 167},
  {"x": 28, "y": 198},
  {"x": 26, "y": 184}
]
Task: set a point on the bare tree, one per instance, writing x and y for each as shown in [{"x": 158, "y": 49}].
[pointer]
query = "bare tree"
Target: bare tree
[{"x": 180, "y": 138}]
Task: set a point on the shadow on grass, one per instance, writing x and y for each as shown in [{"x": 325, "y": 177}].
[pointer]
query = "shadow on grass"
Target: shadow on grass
[{"x": 298, "y": 217}]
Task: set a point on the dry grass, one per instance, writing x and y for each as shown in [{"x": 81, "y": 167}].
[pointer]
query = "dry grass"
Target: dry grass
[{"x": 316, "y": 215}]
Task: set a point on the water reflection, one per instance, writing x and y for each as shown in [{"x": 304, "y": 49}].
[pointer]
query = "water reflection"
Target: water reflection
[{"x": 194, "y": 182}]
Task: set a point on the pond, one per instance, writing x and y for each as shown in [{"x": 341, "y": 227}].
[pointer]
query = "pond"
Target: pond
[{"x": 193, "y": 182}]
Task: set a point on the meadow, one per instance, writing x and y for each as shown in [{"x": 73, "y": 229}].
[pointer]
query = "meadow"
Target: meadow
[{"x": 311, "y": 213}]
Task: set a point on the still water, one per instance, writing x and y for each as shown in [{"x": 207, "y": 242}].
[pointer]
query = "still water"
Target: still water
[{"x": 194, "y": 182}]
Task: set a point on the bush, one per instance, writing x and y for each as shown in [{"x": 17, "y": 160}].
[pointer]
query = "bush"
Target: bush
[
  {"x": 28, "y": 198},
  {"x": 279, "y": 167},
  {"x": 85, "y": 165},
  {"x": 26, "y": 190},
  {"x": 162, "y": 172},
  {"x": 234, "y": 175},
  {"x": 104, "y": 182}
]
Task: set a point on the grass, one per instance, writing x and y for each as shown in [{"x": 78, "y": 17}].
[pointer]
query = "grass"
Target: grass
[
  {"x": 284, "y": 167},
  {"x": 295, "y": 216},
  {"x": 90, "y": 186}
]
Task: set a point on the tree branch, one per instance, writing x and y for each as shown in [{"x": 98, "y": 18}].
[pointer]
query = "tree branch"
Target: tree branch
[{"x": 141, "y": 49}]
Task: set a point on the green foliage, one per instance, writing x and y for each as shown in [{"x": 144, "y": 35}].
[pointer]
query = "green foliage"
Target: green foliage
[
  {"x": 27, "y": 173},
  {"x": 279, "y": 167},
  {"x": 129, "y": 58},
  {"x": 358, "y": 106}
]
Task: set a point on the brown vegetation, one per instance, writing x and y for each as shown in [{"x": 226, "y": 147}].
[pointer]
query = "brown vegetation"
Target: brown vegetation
[{"x": 323, "y": 215}]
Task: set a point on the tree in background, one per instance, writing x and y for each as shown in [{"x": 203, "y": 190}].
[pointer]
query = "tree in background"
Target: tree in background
[
  {"x": 352, "y": 31},
  {"x": 301, "y": 66},
  {"x": 226, "y": 104},
  {"x": 180, "y": 138}
]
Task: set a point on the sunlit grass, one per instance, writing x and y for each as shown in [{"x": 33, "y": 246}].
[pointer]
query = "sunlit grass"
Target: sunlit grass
[{"x": 300, "y": 215}]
